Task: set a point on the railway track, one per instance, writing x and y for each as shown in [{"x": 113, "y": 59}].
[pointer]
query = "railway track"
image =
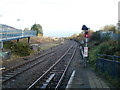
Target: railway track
[
  {"x": 13, "y": 68},
  {"x": 12, "y": 73},
  {"x": 53, "y": 77}
]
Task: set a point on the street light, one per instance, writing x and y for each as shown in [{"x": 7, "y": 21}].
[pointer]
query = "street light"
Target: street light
[
  {"x": 1, "y": 42},
  {"x": 21, "y": 29}
]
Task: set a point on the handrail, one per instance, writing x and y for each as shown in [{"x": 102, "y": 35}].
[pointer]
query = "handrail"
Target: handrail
[
  {"x": 109, "y": 64},
  {"x": 109, "y": 60},
  {"x": 9, "y": 34},
  {"x": 108, "y": 55}
]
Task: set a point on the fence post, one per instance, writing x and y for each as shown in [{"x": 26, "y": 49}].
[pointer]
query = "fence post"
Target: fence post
[
  {"x": 97, "y": 62},
  {"x": 103, "y": 65},
  {"x": 113, "y": 67}
]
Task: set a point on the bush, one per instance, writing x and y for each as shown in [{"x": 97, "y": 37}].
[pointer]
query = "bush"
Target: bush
[
  {"x": 105, "y": 37},
  {"x": 93, "y": 55},
  {"x": 20, "y": 48},
  {"x": 95, "y": 36},
  {"x": 108, "y": 48},
  {"x": 8, "y": 45}
]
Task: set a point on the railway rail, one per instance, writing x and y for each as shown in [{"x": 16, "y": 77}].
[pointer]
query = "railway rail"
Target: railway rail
[
  {"x": 11, "y": 73},
  {"x": 53, "y": 77},
  {"x": 13, "y": 68}
]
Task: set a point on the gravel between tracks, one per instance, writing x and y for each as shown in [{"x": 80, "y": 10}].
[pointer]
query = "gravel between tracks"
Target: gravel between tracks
[
  {"x": 74, "y": 63},
  {"x": 25, "y": 79}
]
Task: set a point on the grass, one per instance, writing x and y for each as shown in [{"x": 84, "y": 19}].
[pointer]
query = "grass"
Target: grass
[{"x": 47, "y": 46}]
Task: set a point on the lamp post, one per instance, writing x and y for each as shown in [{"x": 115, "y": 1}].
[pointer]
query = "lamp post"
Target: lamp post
[
  {"x": 1, "y": 42},
  {"x": 19, "y": 27}
]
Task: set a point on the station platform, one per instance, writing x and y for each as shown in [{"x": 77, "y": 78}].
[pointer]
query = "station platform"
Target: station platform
[{"x": 84, "y": 77}]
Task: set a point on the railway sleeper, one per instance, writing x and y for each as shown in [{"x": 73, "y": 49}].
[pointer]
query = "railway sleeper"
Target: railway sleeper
[
  {"x": 57, "y": 70},
  {"x": 9, "y": 74},
  {"x": 47, "y": 81}
]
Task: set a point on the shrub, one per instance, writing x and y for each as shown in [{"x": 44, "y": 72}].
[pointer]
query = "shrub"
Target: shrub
[
  {"x": 95, "y": 36},
  {"x": 108, "y": 48},
  {"x": 20, "y": 48},
  {"x": 8, "y": 45},
  {"x": 93, "y": 55}
]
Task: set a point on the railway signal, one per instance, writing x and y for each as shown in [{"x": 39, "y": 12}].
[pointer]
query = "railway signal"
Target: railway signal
[
  {"x": 85, "y": 51},
  {"x": 84, "y": 27},
  {"x": 86, "y": 34}
]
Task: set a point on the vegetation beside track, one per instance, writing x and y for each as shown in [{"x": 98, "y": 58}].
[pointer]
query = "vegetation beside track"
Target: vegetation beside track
[
  {"x": 104, "y": 46},
  {"x": 22, "y": 50},
  {"x": 107, "y": 47}
]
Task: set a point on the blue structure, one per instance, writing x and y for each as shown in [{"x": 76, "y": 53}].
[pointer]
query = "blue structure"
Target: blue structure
[
  {"x": 8, "y": 33},
  {"x": 109, "y": 64}
]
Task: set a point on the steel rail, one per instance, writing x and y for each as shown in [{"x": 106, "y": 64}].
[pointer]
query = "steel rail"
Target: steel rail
[
  {"x": 25, "y": 69},
  {"x": 60, "y": 81},
  {"x": 11, "y": 69},
  {"x": 31, "y": 86}
]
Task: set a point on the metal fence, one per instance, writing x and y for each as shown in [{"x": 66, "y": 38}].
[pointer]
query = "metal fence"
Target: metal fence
[
  {"x": 109, "y": 34},
  {"x": 109, "y": 64},
  {"x": 7, "y": 34},
  {"x": 115, "y": 36}
]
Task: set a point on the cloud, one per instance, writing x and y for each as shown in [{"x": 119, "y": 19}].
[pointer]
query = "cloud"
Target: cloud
[{"x": 66, "y": 16}]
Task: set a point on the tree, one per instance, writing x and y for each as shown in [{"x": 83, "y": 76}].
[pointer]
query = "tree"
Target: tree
[
  {"x": 38, "y": 28},
  {"x": 109, "y": 28},
  {"x": 26, "y": 29}
]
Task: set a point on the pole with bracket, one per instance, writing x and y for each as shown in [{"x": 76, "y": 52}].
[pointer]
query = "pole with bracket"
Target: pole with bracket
[
  {"x": 1, "y": 45},
  {"x": 28, "y": 40}
]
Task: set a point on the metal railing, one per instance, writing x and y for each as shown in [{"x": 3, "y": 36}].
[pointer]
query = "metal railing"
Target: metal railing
[
  {"x": 109, "y": 64},
  {"x": 8, "y": 34}
]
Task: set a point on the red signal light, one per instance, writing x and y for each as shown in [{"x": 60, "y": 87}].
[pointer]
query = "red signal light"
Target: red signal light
[{"x": 86, "y": 35}]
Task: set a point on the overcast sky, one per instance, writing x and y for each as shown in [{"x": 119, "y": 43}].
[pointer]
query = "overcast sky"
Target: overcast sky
[{"x": 59, "y": 17}]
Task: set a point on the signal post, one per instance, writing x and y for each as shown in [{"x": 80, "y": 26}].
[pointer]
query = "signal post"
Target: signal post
[{"x": 85, "y": 52}]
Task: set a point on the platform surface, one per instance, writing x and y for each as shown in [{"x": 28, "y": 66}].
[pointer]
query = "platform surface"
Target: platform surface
[{"x": 84, "y": 77}]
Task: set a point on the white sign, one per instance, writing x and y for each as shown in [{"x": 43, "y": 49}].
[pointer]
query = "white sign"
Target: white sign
[{"x": 85, "y": 51}]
